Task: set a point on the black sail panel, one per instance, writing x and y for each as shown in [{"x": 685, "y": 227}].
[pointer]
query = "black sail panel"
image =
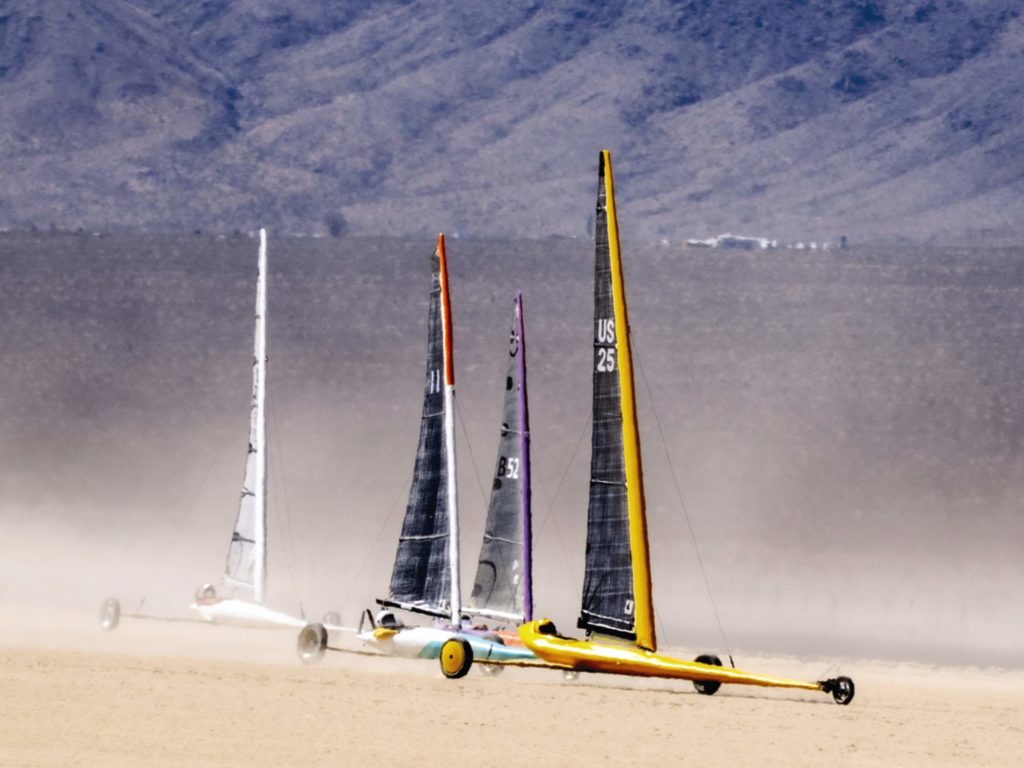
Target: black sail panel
[
  {"x": 502, "y": 571},
  {"x": 608, "y": 603},
  {"x": 421, "y": 577}
]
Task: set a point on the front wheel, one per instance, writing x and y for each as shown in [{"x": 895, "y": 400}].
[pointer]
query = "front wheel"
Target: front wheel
[
  {"x": 110, "y": 614},
  {"x": 456, "y": 657},
  {"x": 708, "y": 687},
  {"x": 570, "y": 675},
  {"x": 842, "y": 690},
  {"x": 311, "y": 644}
]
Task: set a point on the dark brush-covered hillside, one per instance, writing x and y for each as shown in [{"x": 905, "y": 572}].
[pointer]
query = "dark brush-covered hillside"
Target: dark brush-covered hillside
[{"x": 793, "y": 120}]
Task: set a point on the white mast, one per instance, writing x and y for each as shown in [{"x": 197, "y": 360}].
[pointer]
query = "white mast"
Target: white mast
[
  {"x": 449, "y": 439},
  {"x": 259, "y": 576},
  {"x": 453, "y": 503}
]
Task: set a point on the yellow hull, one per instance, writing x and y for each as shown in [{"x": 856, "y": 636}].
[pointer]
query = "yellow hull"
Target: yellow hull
[{"x": 588, "y": 656}]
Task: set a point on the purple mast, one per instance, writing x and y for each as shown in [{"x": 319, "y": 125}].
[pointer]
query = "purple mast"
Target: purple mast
[{"x": 524, "y": 495}]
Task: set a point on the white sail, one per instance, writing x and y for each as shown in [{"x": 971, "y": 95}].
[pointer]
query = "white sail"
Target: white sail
[{"x": 247, "y": 555}]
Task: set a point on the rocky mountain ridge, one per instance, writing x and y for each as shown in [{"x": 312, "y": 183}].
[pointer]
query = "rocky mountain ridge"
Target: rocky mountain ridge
[{"x": 798, "y": 120}]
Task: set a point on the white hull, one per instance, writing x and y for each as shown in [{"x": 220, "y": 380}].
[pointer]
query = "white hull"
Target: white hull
[
  {"x": 426, "y": 642},
  {"x": 240, "y": 613},
  {"x": 410, "y": 642}
]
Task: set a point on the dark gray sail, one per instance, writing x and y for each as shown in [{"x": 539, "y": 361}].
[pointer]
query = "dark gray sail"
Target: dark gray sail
[
  {"x": 502, "y": 588},
  {"x": 608, "y": 604},
  {"x": 421, "y": 578}
]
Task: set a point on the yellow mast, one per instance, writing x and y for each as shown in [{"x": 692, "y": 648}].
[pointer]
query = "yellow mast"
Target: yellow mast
[{"x": 642, "y": 596}]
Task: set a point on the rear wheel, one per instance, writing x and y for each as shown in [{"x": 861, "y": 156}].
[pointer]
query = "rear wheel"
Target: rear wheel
[
  {"x": 456, "y": 657},
  {"x": 312, "y": 643},
  {"x": 332, "y": 619},
  {"x": 110, "y": 614},
  {"x": 206, "y": 592},
  {"x": 708, "y": 687},
  {"x": 491, "y": 670}
]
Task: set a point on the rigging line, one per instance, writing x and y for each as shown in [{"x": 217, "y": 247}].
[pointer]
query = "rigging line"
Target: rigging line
[
  {"x": 679, "y": 495},
  {"x": 472, "y": 460},
  {"x": 565, "y": 557},
  {"x": 662, "y": 631},
  {"x": 352, "y": 582},
  {"x": 280, "y": 522},
  {"x": 551, "y": 506},
  {"x": 190, "y": 509},
  {"x": 565, "y": 473},
  {"x": 278, "y": 459}
]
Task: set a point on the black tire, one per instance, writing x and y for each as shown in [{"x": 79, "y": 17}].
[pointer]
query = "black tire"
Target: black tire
[
  {"x": 843, "y": 690},
  {"x": 332, "y": 619},
  {"x": 708, "y": 687},
  {"x": 110, "y": 614},
  {"x": 456, "y": 657},
  {"x": 311, "y": 644}
]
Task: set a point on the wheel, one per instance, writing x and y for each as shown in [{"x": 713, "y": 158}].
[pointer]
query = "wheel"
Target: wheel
[
  {"x": 456, "y": 657},
  {"x": 491, "y": 670},
  {"x": 110, "y": 614},
  {"x": 708, "y": 687},
  {"x": 332, "y": 619},
  {"x": 570, "y": 675},
  {"x": 206, "y": 594},
  {"x": 843, "y": 690},
  {"x": 312, "y": 643}
]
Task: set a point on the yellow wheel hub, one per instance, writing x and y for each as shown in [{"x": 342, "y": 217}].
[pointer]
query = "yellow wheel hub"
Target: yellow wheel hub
[{"x": 453, "y": 657}]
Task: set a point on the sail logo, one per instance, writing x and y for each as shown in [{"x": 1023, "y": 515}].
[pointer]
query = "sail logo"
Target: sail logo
[{"x": 606, "y": 330}]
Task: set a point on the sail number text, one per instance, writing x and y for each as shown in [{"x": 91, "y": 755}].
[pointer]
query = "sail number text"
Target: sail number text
[
  {"x": 508, "y": 467},
  {"x": 605, "y": 356}
]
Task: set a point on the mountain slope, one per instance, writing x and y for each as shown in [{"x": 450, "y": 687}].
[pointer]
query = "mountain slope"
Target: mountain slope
[{"x": 798, "y": 120}]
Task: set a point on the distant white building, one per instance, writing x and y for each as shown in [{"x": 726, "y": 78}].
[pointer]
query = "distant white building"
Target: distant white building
[{"x": 740, "y": 242}]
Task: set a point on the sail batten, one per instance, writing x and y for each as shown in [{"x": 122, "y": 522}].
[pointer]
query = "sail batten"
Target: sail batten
[
  {"x": 425, "y": 575},
  {"x": 502, "y": 589},
  {"x": 247, "y": 553},
  {"x": 617, "y": 585}
]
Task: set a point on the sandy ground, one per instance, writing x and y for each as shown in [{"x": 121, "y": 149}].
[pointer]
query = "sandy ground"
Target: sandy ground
[{"x": 155, "y": 694}]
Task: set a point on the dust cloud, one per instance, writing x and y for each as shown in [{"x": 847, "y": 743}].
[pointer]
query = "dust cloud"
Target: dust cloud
[{"x": 843, "y": 426}]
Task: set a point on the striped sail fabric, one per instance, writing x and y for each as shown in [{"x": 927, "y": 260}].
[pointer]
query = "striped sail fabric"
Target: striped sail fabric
[
  {"x": 608, "y": 601},
  {"x": 502, "y": 586},
  {"x": 242, "y": 550},
  {"x": 421, "y": 577}
]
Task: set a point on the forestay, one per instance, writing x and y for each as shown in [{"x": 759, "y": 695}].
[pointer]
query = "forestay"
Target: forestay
[
  {"x": 502, "y": 588},
  {"x": 247, "y": 554}
]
